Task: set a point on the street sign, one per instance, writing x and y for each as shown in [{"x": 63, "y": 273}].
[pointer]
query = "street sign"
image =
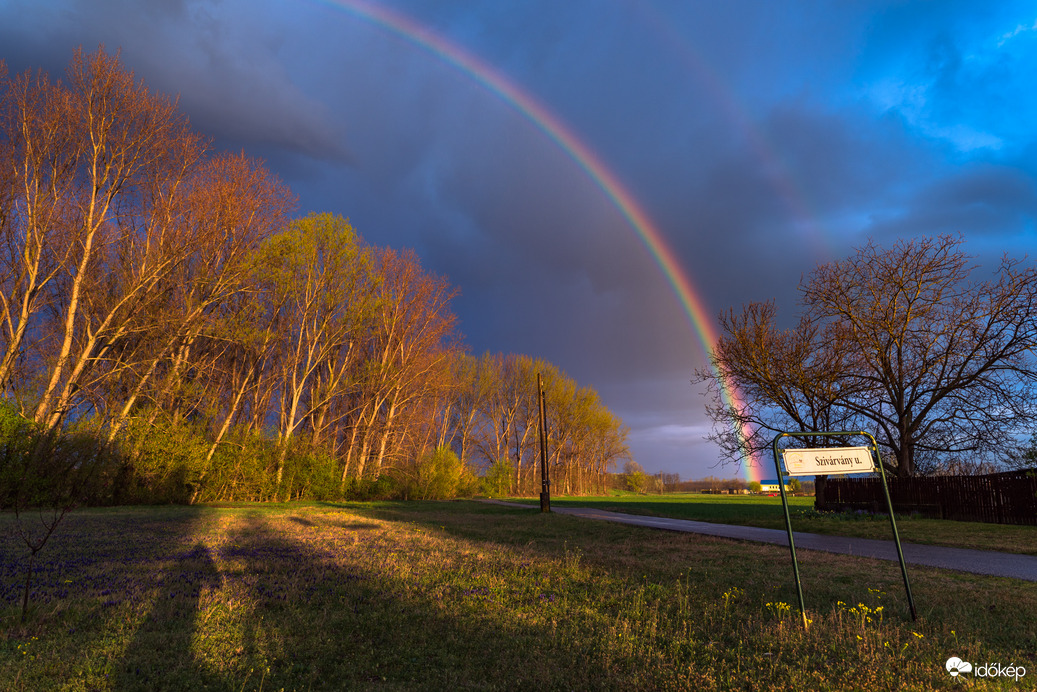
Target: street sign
[
  {"x": 828, "y": 461},
  {"x": 825, "y": 462}
]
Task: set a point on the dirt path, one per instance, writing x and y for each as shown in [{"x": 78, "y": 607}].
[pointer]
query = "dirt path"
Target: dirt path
[{"x": 960, "y": 559}]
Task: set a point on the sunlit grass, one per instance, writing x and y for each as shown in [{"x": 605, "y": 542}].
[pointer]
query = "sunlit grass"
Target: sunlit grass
[{"x": 445, "y": 595}]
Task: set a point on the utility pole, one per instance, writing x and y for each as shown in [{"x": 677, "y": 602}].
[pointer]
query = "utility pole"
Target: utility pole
[{"x": 545, "y": 479}]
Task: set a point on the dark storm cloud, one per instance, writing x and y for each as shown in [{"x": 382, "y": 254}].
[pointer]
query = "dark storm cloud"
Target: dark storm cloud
[
  {"x": 982, "y": 200},
  {"x": 226, "y": 69},
  {"x": 552, "y": 270},
  {"x": 761, "y": 138},
  {"x": 750, "y": 212}
]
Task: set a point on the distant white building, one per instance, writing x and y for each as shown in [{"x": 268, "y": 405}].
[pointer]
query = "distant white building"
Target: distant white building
[{"x": 771, "y": 486}]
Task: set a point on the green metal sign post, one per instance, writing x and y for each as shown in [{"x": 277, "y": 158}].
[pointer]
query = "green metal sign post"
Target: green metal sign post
[{"x": 829, "y": 461}]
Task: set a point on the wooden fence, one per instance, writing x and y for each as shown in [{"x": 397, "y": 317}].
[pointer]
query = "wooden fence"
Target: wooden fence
[{"x": 1000, "y": 498}]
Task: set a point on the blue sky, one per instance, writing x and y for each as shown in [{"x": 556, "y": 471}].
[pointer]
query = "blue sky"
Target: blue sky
[{"x": 761, "y": 137}]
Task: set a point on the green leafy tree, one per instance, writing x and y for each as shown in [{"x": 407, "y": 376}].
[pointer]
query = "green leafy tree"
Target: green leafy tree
[
  {"x": 584, "y": 439},
  {"x": 499, "y": 477},
  {"x": 634, "y": 477},
  {"x": 316, "y": 277},
  {"x": 637, "y": 482}
]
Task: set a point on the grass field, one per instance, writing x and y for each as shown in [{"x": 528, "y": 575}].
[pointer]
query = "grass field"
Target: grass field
[
  {"x": 465, "y": 595},
  {"x": 766, "y": 512}
]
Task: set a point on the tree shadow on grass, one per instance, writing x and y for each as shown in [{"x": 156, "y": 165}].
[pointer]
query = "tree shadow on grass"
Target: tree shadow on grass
[
  {"x": 160, "y": 656},
  {"x": 97, "y": 560},
  {"x": 341, "y": 602},
  {"x": 102, "y": 568},
  {"x": 330, "y": 612}
]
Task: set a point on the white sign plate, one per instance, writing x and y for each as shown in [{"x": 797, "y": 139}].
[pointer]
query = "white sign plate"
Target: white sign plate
[{"x": 828, "y": 461}]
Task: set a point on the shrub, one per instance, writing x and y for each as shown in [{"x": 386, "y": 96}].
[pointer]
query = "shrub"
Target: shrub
[
  {"x": 441, "y": 476},
  {"x": 366, "y": 489},
  {"x": 18, "y": 436},
  {"x": 497, "y": 481},
  {"x": 164, "y": 462},
  {"x": 56, "y": 469},
  {"x": 637, "y": 482},
  {"x": 316, "y": 474}
]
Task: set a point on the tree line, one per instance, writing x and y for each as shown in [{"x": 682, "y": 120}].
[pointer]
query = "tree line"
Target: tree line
[
  {"x": 495, "y": 419},
  {"x": 909, "y": 342},
  {"x": 160, "y": 306}
]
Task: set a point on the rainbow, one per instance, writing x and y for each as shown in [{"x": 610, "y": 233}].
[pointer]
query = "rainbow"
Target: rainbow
[{"x": 548, "y": 123}]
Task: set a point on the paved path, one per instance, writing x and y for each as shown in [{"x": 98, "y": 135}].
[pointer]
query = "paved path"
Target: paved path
[{"x": 961, "y": 559}]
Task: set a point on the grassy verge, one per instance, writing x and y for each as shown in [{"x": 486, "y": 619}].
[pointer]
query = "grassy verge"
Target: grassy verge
[
  {"x": 766, "y": 512},
  {"x": 464, "y": 595}
]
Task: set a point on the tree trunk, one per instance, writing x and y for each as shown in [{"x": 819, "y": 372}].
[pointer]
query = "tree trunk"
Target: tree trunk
[{"x": 389, "y": 416}]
